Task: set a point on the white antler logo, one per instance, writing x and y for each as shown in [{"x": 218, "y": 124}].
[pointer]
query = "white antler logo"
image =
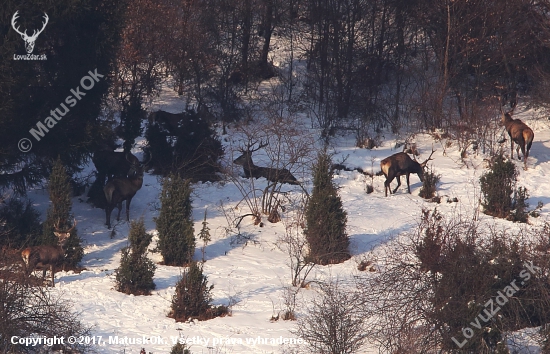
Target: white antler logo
[{"x": 29, "y": 40}]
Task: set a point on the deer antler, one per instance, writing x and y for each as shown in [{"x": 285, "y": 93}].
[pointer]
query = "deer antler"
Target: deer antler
[
  {"x": 423, "y": 164},
  {"x": 501, "y": 104},
  {"x": 56, "y": 226},
  {"x": 74, "y": 225},
  {"x": 248, "y": 148},
  {"x": 127, "y": 159}
]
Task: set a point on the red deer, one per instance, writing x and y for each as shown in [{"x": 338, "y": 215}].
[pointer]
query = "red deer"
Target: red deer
[
  {"x": 122, "y": 189},
  {"x": 271, "y": 174},
  {"x": 112, "y": 164},
  {"x": 46, "y": 255},
  {"x": 401, "y": 164},
  {"x": 520, "y": 134}
]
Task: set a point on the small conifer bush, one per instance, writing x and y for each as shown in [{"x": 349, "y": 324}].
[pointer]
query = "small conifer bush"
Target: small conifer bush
[
  {"x": 501, "y": 198},
  {"x": 136, "y": 271},
  {"x": 429, "y": 185},
  {"x": 174, "y": 223},
  {"x": 204, "y": 235},
  {"x": 193, "y": 297},
  {"x": 325, "y": 217},
  {"x": 497, "y": 186}
]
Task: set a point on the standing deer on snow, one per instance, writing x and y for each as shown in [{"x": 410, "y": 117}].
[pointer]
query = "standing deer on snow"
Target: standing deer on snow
[
  {"x": 271, "y": 174},
  {"x": 401, "y": 164},
  {"x": 520, "y": 134},
  {"x": 47, "y": 255},
  {"x": 122, "y": 189}
]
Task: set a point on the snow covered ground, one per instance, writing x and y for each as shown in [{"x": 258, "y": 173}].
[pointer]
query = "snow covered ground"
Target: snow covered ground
[{"x": 253, "y": 276}]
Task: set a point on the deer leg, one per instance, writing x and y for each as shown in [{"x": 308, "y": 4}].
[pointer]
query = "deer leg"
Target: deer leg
[
  {"x": 53, "y": 275},
  {"x": 387, "y": 185},
  {"x": 108, "y": 211},
  {"x": 511, "y": 148},
  {"x": 525, "y": 156},
  {"x": 128, "y": 209},
  {"x": 398, "y": 184},
  {"x": 119, "y": 205},
  {"x": 408, "y": 183},
  {"x": 522, "y": 151}
]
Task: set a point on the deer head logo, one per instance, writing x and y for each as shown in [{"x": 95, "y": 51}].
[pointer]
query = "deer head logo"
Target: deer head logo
[{"x": 29, "y": 40}]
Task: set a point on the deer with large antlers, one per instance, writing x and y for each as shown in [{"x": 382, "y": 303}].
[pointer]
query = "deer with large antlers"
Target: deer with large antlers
[
  {"x": 520, "y": 134},
  {"x": 122, "y": 189},
  {"x": 271, "y": 174},
  {"x": 401, "y": 164},
  {"x": 46, "y": 255},
  {"x": 29, "y": 40}
]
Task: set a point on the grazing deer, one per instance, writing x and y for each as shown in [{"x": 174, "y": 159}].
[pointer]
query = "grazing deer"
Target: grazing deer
[
  {"x": 122, "y": 189},
  {"x": 113, "y": 164},
  {"x": 520, "y": 134},
  {"x": 47, "y": 255},
  {"x": 271, "y": 174},
  {"x": 401, "y": 164}
]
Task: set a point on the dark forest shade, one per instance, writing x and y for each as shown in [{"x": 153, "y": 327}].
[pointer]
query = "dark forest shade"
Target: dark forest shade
[{"x": 78, "y": 39}]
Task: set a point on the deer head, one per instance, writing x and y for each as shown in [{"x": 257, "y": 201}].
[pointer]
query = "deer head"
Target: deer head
[
  {"x": 29, "y": 40},
  {"x": 137, "y": 167},
  {"x": 245, "y": 159},
  {"x": 63, "y": 236}
]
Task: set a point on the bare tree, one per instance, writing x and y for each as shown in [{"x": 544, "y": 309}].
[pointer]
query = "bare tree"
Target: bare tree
[
  {"x": 32, "y": 311},
  {"x": 287, "y": 146},
  {"x": 294, "y": 243},
  {"x": 333, "y": 323}
]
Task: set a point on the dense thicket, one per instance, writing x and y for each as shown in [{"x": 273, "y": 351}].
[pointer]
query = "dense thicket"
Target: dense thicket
[
  {"x": 22, "y": 224},
  {"x": 384, "y": 63},
  {"x": 192, "y": 149},
  {"x": 475, "y": 283},
  {"x": 78, "y": 38},
  {"x": 28, "y": 310}
]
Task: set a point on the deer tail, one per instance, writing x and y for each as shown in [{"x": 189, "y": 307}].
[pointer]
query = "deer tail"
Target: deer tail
[
  {"x": 528, "y": 137},
  {"x": 385, "y": 167},
  {"x": 26, "y": 253}
]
